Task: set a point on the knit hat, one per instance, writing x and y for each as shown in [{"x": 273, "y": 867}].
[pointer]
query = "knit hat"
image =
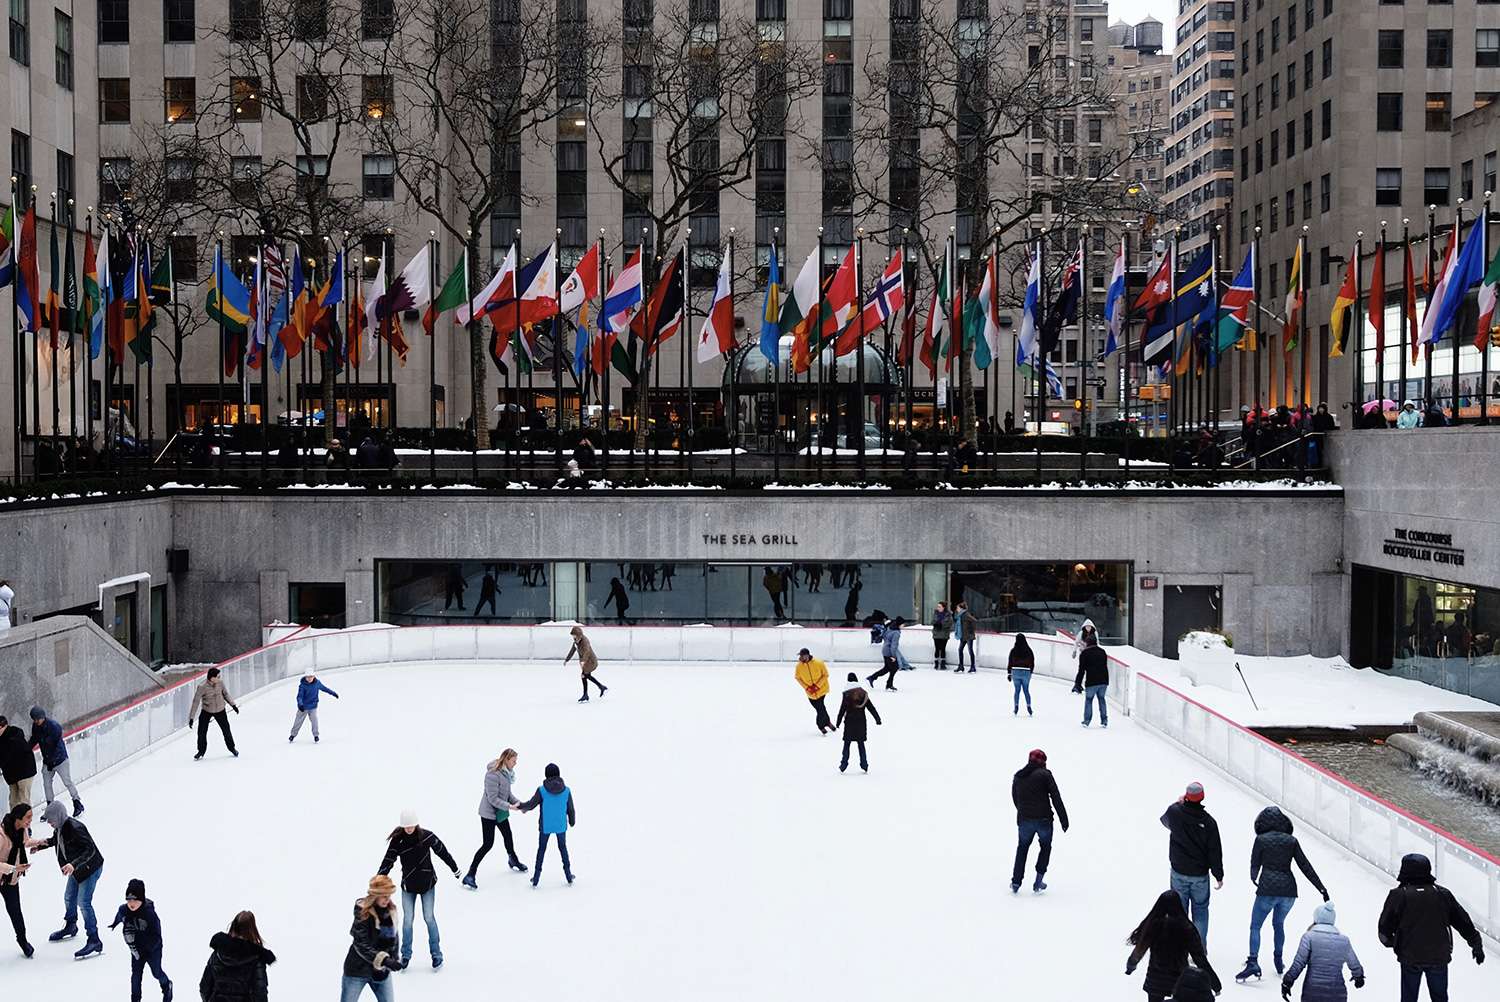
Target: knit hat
[
  {"x": 851, "y": 677},
  {"x": 1037, "y": 757},
  {"x": 381, "y": 886},
  {"x": 135, "y": 890},
  {"x": 1324, "y": 914},
  {"x": 37, "y": 713},
  {"x": 1194, "y": 793},
  {"x": 552, "y": 771},
  {"x": 804, "y": 651},
  {"x": 408, "y": 818}
]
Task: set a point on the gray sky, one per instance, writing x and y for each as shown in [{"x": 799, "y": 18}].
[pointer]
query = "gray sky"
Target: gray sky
[{"x": 1132, "y": 11}]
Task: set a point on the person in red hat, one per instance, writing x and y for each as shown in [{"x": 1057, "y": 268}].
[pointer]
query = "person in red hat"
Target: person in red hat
[
  {"x": 1194, "y": 852},
  {"x": 1034, "y": 792}
]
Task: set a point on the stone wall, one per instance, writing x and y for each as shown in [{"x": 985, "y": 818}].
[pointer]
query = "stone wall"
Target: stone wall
[{"x": 71, "y": 668}]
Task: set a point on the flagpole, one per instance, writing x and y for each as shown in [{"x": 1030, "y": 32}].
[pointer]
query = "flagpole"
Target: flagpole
[
  {"x": 1084, "y": 364},
  {"x": 776, "y": 381},
  {"x": 1038, "y": 364},
  {"x": 814, "y": 341},
  {"x": 911, "y": 345},
  {"x": 476, "y": 407},
  {"x": 54, "y": 279},
  {"x": 36, "y": 357},
  {"x": 1483, "y": 336},
  {"x": 1380, "y": 340},
  {"x": 1174, "y": 403},
  {"x": 605, "y": 353},
  {"x": 150, "y": 367},
  {"x": 885, "y": 368},
  {"x": 432, "y": 286},
  {"x": 1359, "y": 327},
  {"x": 1122, "y": 372},
  {"x": 1458, "y": 235},
  {"x": 859, "y": 345},
  {"x": 1408, "y": 307},
  {"x": 263, "y": 321},
  {"x": 15, "y": 321},
  {"x": 734, "y": 371},
  {"x": 350, "y": 277},
  {"x": 72, "y": 317},
  {"x": 685, "y": 443}
]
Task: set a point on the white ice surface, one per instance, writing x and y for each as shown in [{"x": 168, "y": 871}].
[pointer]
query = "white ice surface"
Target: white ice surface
[{"x": 719, "y": 853}]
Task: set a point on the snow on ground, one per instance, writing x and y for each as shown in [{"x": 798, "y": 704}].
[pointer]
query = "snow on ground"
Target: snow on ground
[{"x": 719, "y": 853}]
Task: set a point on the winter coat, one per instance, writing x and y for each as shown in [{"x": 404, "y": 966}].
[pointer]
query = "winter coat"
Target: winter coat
[
  {"x": 1081, "y": 641},
  {"x": 236, "y": 971},
  {"x": 415, "y": 852},
  {"x": 1194, "y": 985},
  {"x": 16, "y": 760},
  {"x": 307, "y": 694},
  {"x": 1418, "y": 915},
  {"x": 212, "y": 696},
  {"x": 1408, "y": 419},
  {"x": 1169, "y": 957},
  {"x": 587, "y": 662},
  {"x": 12, "y": 855},
  {"x": 1323, "y": 952},
  {"x": 1034, "y": 792},
  {"x": 1093, "y": 667},
  {"x": 942, "y": 625},
  {"x": 369, "y": 936},
  {"x": 1272, "y": 855},
  {"x": 497, "y": 801},
  {"x": 556, "y": 802},
  {"x": 890, "y": 644},
  {"x": 1194, "y": 849},
  {"x": 1023, "y": 658},
  {"x": 72, "y": 844},
  {"x": 48, "y": 736},
  {"x": 142, "y": 929},
  {"x": 813, "y": 677},
  {"x": 852, "y": 714}
]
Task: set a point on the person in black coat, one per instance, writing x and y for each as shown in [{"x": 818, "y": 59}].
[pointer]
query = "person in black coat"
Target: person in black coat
[
  {"x": 414, "y": 846},
  {"x": 1194, "y": 851},
  {"x": 1416, "y": 922},
  {"x": 81, "y": 863},
  {"x": 17, "y": 763},
  {"x": 1093, "y": 679},
  {"x": 852, "y": 716},
  {"x": 236, "y": 970},
  {"x": 142, "y": 932},
  {"x": 1271, "y": 859},
  {"x": 373, "y": 944},
  {"x": 1034, "y": 792},
  {"x": 1167, "y": 935},
  {"x": 1018, "y": 668}
]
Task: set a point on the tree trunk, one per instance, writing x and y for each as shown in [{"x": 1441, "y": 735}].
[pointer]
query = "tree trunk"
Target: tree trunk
[
  {"x": 478, "y": 371},
  {"x": 642, "y": 390}
]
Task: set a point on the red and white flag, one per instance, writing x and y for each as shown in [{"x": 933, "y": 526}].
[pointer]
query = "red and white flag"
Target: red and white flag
[
  {"x": 583, "y": 284},
  {"x": 886, "y": 300},
  {"x": 717, "y": 335}
]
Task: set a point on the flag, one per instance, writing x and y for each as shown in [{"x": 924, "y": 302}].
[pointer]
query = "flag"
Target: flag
[
  {"x": 1198, "y": 309},
  {"x": 1114, "y": 304},
  {"x": 95, "y": 299},
  {"x": 534, "y": 303},
  {"x": 1295, "y": 299},
  {"x": 982, "y": 317},
  {"x": 1466, "y": 271},
  {"x": 1065, "y": 307},
  {"x": 139, "y": 321},
  {"x": 255, "y": 350},
  {"x": 1026, "y": 340},
  {"x": 770, "y": 313},
  {"x": 800, "y": 302},
  {"x": 279, "y": 304},
  {"x": 412, "y": 288},
  {"x": 370, "y": 324},
  {"x": 1190, "y": 304},
  {"x": 1054, "y": 381},
  {"x": 452, "y": 295},
  {"x": 1343, "y": 302},
  {"x": 324, "y": 317},
  {"x": 582, "y": 285},
  {"x": 625, "y": 294},
  {"x": 8, "y": 247},
  {"x": 28, "y": 293},
  {"x": 228, "y": 304},
  {"x": 664, "y": 313},
  {"x": 1436, "y": 291},
  {"x": 717, "y": 335},
  {"x": 1409, "y": 317},
  {"x": 1487, "y": 297},
  {"x": 476, "y": 307},
  {"x": 1158, "y": 290},
  {"x": 1377, "y": 298},
  {"x": 299, "y": 326},
  {"x": 908, "y": 336},
  {"x": 54, "y": 297},
  {"x": 884, "y": 301},
  {"x": 840, "y": 296},
  {"x": 1234, "y": 305},
  {"x": 937, "y": 320}
]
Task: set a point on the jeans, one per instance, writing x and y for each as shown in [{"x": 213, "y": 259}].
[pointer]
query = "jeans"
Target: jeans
[
  {"x": 138, "y": 966},
  {"x": 541, "y": 852},
  {"x": 223, "y": 718},
  {"x": 820, "y": 713},
  {"x": 302, "y": 715},
  {"x": 384, "y": 991},
  {"x": 1026, "y": 830},
  {"x": 11, "y": 893},
  {"x": 1411, "y": 982},
  {"x": 1194, "y": 894},
  {"x": 80, "y": 897},
  {"x": 864, "y": 763},
  {"x": 63, "y": 772},
  {"x": 966, "y": 643},
  {"x": 1090, "y": 693},
  {"x": 1276, "y": 907},
  {"x": 429, "y": 916},
  {"x": 1021, "y": 682},
  {"x": 487, "y": 828}
]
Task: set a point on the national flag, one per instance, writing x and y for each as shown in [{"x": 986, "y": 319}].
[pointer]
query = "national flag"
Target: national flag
[
  {"x": 664, "y": 313},
  {"x": 94, "y": 299},
  {"x": 28, "y": 293},
  {"x": 933, "y": 343},
  {"x": 1234, "y": 305},
  {"x": 1026, "y": 339},
  {"x": 1409, "y": 306},
  {"x": 1198, "y": 310},
  {"x": 453, "y": 294},
  {"x": 582, "y": 285},
  {"x": 139, "y": 318},
  {"x": 1376, "y": 310},
  {"x": 1114, "y": 304},
  {"x": 299, "y": 325},
  {"x": 799, "y": 303},
  {"x": 625, "y": 294},
  {"x": 717, "y": 335},
  {"x": 1487, "y": 295},
  {"x": 280, "y": 304},
  {"x": 1158, "y": 290},
  {"x": 8, "y": 247},
  {"x": 1296, "y": 298},
  {"x": 228, "y": 304},
  {"x": 982, "y": 317},
  {"x": 372, "y": 323},
  {"x": 840, "y": 297},
  {"x": 533, "y": 305},
  {"x": 411, "y": 289},
  {"x": 1466, "y": 272},
  {"x": 1054, "y": 381},
  {"x": 354, "y": 340},
  {"x": 259, "y": 311},
  {"x": 478, "y": 304},
  {"x": 327, "y": 336},
  {"x": 1065, "y": 307},
  {"x": 884, "y": 302},
  {"x": 54, "y": 297},
  {"x": 1189, "y": 304},
  {"x": 72, "y": 319},
  {"x": 770, "y": 313},
  {"x": 908, "y": 342},
  {"x": 1343, "y": 302},
  {"x": 1435, "y": 298}
]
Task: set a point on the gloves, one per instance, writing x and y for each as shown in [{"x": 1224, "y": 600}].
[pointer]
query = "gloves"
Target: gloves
[
  {"x": 1008, "y": 677},
  {"x": 1359, "y": 982},
  {"x": 1129, "y": 969},
  {"x": 1077, "y": 688},
  {"x": 1479, "y": 953},
  {"x": 191, "y": 722},
  {"x": 236, "y": 710},
  {"x": 1325, "y": 894},
  {"x": 1286, "y": 990}
]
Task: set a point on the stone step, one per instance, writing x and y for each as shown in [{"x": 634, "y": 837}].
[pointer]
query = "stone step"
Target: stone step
[
  {"x": 1456, "y": 767},
  {"x": 1476, "y": 734}
]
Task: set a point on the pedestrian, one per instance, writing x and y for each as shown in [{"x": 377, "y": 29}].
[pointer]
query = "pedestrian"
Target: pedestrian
[
  {"x": 587, "y": 662},
  {"x": 494, "y": 812},
  {"x": 372, "y": 950},
  {"x": 17, "y": 763},
  {"x": 1194, "y": 852},
  {"x": 13, "y": 866},
  {"x": 488, "y": 589},
  {"x": 1323, "y": 952},
  {"x": 7, "y": 603},
  {"x": 1408, "y": 418},
  {"x": 212, "y": 696},
  {"x": 557, "y": 816},
  {"x": 414, "y": 846},
  {"x": 1415, "y": 922},
  {"x": 942, "y": 627},
  {"x": 454, "y": 583},
  {"x": 142, "y": 932},
  {"x": 1171, "y": 940},
  {"x": 308, "y": 691},
  {"x": 852, "y": 716},
  {"x": 236, "y": 970},
  {"x": 1018, "y": 669},
  {"x": 1271, "y": 859},
  {"x": 619, "y": 598},
  {"x": 890, "y": 650},
  {"x": 812, "y": 675},
  {"x": 47, "y": 735},
  {"x": 1086, "y": 632},
  {"x": 81, "y": 863},
  {"x": 1093, "y": 680},
  {"x": 1034, "y": 792}
]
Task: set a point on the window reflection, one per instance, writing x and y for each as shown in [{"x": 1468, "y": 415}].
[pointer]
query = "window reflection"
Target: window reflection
[{"x": 414, "y": 593}]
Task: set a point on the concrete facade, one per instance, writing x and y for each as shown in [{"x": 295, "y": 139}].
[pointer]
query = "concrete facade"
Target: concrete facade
[
  {"x": 71, "y": 668},
  {"x": 1200, "y": 152}
]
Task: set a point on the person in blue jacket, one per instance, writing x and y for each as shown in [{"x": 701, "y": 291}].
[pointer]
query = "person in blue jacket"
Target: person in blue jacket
[
  {"x": 556, "y": 802},
  {"x": 142, "y": 931},
  {"x": 964, "y": 631},
  {"x": 47, "y": 734},
  {"x": 307, "y": 705},
  {"x": 890, "y": 652}
]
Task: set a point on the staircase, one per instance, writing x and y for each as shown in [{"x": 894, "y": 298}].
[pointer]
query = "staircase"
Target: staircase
[{"x": 1461, "y": 748}]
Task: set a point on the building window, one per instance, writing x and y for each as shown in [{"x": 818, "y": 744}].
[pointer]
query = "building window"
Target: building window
[
  {"x": 244, "y": 97},
  {"x": 378, "y": 18},
  {"x": 114, "y": 22},
  {"x": 312, "y": 98},
  {"x": 380, "y": 177},
  {"x": 1390, "y": 49},
  {"x": 1439, "y": 111},
  {"x": 114, "y": 99},
  {"x": 1439, "y": 48},
  {"x": 181, "y": 98},
  {"x": 1489, "y": 172},
  {"x": 1275, "y": 213},
  {"x": 377, "y": 93},
  {"x": 1435, "y": 185},
  {"x": 1327, "y": 119},
  {"x": 1306, "y": 199},
  {"x": 1487, "y": 47},
  {"x": 181, "y": 180},
  {"x": 312, "y": 172},
  {"x": 1388, "y": 111},
  {"x": 1307, "y": 70},
  {"x": 20, "y": 31},
  {"x": 310, "y": 19},
  {"x": 244, "y": 178},
  {"x": 1466, "y": 180},
  {"x": 180, "y": 20},
  {"x": 244, "y": 20},
  {"x": 66, "y": 182},
  {"x": 1291, "y": 206},
  {"x": 114, "y": 179},
  {"x": 63, "y": 54},
  {"x": 1327, "y": 58},
  {"x": 185, "y": 258}
]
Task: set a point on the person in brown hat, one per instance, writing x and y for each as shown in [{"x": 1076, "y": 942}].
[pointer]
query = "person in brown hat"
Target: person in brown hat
[
  {"x": 372, "y": 954},
  {"x": 587, "y": 661}
]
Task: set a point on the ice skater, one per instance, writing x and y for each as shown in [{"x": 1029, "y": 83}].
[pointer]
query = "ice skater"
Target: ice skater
[
  {"x": 414, "y": 846},
  {"x": 81, "y": 863},
  {"x": 1086, "y": 633},
  {"x": 618, "y": 597},
  {"x": 494, "y": 812},
  {"x": 1167, "y": 935},
  {"x": 942, "y": 628},
  {"x": 812, "y": 675},
  {"x": 453, "y": 588},
  {"x": 307, "y": 705},
  {"x": 1271, "y": 858},
  {"x": 1414, "y": 922},
  {"x": 1093, "y": 681},
  {"x": 13, "y": 866},
  {"x": 488, "y": 589},
  {"x": 47, "y": 735},
  {"x": 1034, "y": 792},
  {"x": 1323, "y": 953},
  {"x": 1194, "y": 851},
  {"x": 17, "y": 763},
  {"x": 236, "y": 970},
  {"x": 212, "y": 696},
  {"x": 965, "y": 630},
  {"x": 1018, "y": 668},
  {"x": 890, "y": 652},
  {"x": 372, "y": 950},
  {"x": 556, "y": 802},
  {"x": 856, "y": 703},
  {"x": 142, "y": 932},
  {"x": 587, "y": 662}
]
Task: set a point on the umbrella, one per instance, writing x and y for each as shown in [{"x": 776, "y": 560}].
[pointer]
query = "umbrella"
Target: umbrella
[
  {"x": 1384, "y": 405},
  {"x": 507, "y": 408}
]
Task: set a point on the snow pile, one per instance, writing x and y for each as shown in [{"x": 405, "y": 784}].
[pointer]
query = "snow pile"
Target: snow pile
[{"x": 1200, "y": 640}]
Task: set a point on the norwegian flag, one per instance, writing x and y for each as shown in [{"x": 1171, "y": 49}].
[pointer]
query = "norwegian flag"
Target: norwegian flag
[{"x": 886, "y": 300}]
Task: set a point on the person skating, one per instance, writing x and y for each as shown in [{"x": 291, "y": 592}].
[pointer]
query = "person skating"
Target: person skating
[
  {"x": 587, "y": 662},
  {"x": 308, "y": 691},
  {"x": 1271, "y": 859},
  {"x": 13, "y": 866},
  {"x": 373, "y": 944},
  {"x": 494, "y": 812},
  {"x": 81, "y": 863},
  {"x": 47, "y": 736},
  {"x": 1194, "y": 851},
  {"x": 142, "y": 932},
  {"x": 964, "y": 631},
  {"x": 1323, "y": 953},
  {"x": 1093, "y": 681},
  {"x": 414, "y": 846},
  {"x": 890, "y": 652},
  {"x": 17, "y": 763},
  {"x": 942, "y": 628},
  {"x": 619, "y": 598},
  {"x": 812, "y": 675},
  {"x": 557, "y": 816},
  {"x": 1018, "y": 668},
  {"x": 211, "y": 698},
  {"x": 489, "y": 588},
  {"x": 856, "y": 702},
  {"x": 1416, "y": 922},
  {"x": 1034, "y": 792},
  {"x": 1171, "y": 940},
  {"x": 236, "y": 970},
  {"x": 1086, "y": 633}
]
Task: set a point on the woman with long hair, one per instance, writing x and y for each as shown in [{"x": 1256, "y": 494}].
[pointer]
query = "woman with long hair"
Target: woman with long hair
[
  {"x": 414, "y": 846},
  {"x": 852, "y": 710},
  {"x": 494, "y": 812},
  {"x": 236, "y": 970},
  {"x": 1018, "y": 669},
  {"x": 1167, "y": 935},
  {"x": 372, "y": 950},
  {"x": 13, "y": 866}
]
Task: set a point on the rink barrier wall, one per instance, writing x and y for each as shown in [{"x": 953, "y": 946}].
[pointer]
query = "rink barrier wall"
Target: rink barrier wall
[{"x": 1371, "y": 828}]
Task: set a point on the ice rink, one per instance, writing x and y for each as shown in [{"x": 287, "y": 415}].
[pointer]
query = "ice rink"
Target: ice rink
[{"x": 719, "y": 853}]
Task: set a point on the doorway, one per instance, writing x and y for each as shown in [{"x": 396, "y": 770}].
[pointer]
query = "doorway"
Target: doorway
[
  {"x": 317, "y": 605},
  {"x": 122, "y": 622},
  {"x": 1188, "y": 608}
]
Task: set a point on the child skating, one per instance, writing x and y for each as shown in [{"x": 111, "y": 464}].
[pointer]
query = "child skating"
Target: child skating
[
  {"x": 556, "y": 802},
  {"x": 307, "y": 705},
  {"x": 142, "y": 932}
]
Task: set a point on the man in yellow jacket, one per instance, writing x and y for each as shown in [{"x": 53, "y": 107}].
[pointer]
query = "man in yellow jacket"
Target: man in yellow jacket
[{"x": 812, "y": 675}]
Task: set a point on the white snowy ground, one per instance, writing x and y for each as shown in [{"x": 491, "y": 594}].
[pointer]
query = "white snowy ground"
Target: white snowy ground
[{"x": 719, "y": 853}]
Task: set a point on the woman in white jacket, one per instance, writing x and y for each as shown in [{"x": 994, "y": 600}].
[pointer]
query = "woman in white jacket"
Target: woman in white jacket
[{"x": 1086, "y": 631}]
